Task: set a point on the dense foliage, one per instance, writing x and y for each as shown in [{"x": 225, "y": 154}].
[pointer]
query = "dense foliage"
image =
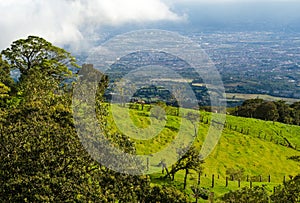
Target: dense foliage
[
  {"x": 269, "y": 110},
  {"x": 41, "y": 156},
  {"x": 289, "y": 192}
]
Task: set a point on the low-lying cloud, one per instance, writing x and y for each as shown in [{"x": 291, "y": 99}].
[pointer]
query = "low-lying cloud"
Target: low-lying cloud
[{"x": 66, "y": 22}]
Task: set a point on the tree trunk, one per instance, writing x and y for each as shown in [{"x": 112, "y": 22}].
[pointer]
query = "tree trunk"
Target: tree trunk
[{"x": 185, "y": 178}]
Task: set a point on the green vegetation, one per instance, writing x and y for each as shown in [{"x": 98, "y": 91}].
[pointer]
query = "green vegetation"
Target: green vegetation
[
  {"x": 248, "y": 149},
  {"x": 42, "y": 158},
  {"x": 271, "y": 111}
]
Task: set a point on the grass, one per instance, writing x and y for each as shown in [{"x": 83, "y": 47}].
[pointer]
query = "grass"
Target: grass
[{"x": 257, "y": 147}]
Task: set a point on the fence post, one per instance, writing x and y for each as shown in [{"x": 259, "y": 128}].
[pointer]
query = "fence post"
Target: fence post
[
  {"x": 283, "y": 179},
  {"x": 269, "y": 178},
  {"x": 226, "y": 181},
  {"x": 199, "y": 174},
  {"x": 239, "y": 183},
  {"x": 250, "y": 183},
  {"x": 260, "y": 178},
  {"x": 213, "y": 181}
]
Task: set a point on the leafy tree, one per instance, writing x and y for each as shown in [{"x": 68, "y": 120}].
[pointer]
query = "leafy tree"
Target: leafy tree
[
  {"x": 248, "y": 107},
  {"x": 4, "y": 91},
  {"x": 273, "y": 111},
  {"x": 37, "y": 54},
  {"x": 5, "y": 74},
  {"x": 166, "y": 194},
  {"x": 267, "y": 111},
  {"x": 6, "y": 82},
  {"x": 284, "y": 112},
  {"x": 296, "y": 113},
  {"x": 289, "y": 192},
  {"x": 247, "y": 195},
  {"x": 189, "y": 159}
]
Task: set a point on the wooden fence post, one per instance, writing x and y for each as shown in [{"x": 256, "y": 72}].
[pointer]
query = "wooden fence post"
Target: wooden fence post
[
  {"x": 269, "y": 178},
  {"x": 250, "y": 183},
  {"x": 226, "y": 181},
  {"x": 260, "y": 178},
  {"x": 213, "y": 181},
  {"x": 239, "y": 183}
]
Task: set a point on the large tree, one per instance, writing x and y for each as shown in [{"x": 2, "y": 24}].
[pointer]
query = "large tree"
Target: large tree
[{"x": 37, "y": 54}]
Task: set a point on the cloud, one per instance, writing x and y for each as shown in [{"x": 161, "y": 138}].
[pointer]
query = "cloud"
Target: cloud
[
  {"x": 226, "y": 1},
  {"x": 66, "y": 22}
]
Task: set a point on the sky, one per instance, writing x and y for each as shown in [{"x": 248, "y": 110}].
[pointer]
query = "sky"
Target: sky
[{"x": 73, "y": 22}]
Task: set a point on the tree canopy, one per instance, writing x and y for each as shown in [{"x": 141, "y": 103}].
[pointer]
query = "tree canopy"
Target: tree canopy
[
  {"x": 270, "y": 110},
  {"x": 37, "y": 54}
]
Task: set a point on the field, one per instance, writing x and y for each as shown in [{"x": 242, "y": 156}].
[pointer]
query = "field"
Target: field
[
  {"x": 242, "y": 97},
  {"x": 257, "y": 150}
]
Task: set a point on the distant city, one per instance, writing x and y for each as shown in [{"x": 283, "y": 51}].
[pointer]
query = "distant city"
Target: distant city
[{"x": 262, "y": 63}]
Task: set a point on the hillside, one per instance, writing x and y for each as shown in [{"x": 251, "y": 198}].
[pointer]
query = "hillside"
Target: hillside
[{"x": 248, "y": 147}]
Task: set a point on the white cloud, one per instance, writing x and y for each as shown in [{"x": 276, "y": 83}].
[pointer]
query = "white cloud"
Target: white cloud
[
  {"x": 66, "y": 21},
  {"x": 225, "y": 1}
]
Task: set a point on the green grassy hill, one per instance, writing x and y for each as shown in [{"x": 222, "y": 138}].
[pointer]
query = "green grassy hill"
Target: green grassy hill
[{"x": 252, "y": 147}]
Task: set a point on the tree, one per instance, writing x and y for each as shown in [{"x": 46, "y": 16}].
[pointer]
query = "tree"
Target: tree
[
  {"x": 284, "y": 112},
  {"x": 267, "y": 111},
  {"x": 5, "y": 73},
  {"x": 296, "y": 112},
  {"x": 6, "y": 82},
  {"x": 248, "y": 107},
  {"x": 189, "y": 159},
  {"x": 289, "y": 192},
  {"x": 37, "y": 54},
  {"x": 247, "y": 195},
  {"x": 166, "y": 194}
]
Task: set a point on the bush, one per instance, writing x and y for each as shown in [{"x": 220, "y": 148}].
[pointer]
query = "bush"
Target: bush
[{"x": 247, "y": 195}]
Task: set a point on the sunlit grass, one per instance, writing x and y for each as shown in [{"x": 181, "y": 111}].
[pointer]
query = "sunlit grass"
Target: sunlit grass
[{"x": 256, "y": 146}]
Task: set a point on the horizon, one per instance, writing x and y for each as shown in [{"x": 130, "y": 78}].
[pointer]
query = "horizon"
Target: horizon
[{"x": 76, "y": 24}]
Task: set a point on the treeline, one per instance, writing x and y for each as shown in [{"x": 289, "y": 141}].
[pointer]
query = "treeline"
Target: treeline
[{"x": 270, "y": 110}]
